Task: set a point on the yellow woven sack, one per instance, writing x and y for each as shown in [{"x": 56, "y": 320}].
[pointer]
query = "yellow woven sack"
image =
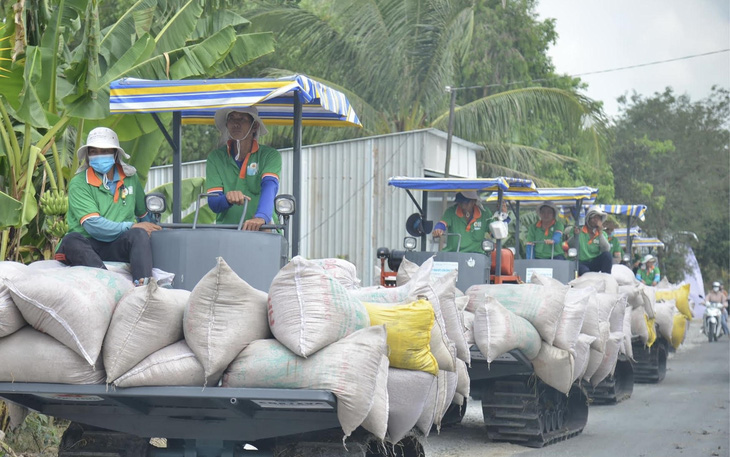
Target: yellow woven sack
[
  {"x": 652, "y": 331},
  {"x": 408, "y": 328},
  {"x": 680, "y": 295},
  {"x": 679, "y": 330}
]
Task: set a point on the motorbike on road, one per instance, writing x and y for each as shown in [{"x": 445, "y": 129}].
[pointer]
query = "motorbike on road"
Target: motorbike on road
[{"x": 711, "y": 321}]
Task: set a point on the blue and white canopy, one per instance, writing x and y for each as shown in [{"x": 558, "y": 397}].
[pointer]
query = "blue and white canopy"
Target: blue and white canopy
[
  {"x": 560, "y": 196},
  {"x": 625, "y": 210},
  {"x": 461, "y": 184},
  {"x": 198, "y": 100},
  {"x": 638, "y": 242},
  {"x": 620, "y": 233}
]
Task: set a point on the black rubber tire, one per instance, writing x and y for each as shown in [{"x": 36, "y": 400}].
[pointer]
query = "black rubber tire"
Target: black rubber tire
[{"x": 711, "y": 332}]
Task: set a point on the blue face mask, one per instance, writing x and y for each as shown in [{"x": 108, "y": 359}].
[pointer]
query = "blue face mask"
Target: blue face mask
[{"x": 102, "y": 163}]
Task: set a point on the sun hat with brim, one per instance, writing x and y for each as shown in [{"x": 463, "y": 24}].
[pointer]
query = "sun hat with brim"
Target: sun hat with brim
[
  {"x": 466, "y": 195},
  {"x": 550, "y": 205},
  {"x": 103, "y": 138},
  {"x": 596, "y": 211},
  {"x": 648, "y": 258},
  {"x": 221, "y": 119}
]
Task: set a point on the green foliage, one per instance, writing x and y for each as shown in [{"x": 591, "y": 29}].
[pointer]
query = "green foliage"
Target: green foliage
[
  {"x": 675, "y": 154},
  {"x": 39, "y": 435}
]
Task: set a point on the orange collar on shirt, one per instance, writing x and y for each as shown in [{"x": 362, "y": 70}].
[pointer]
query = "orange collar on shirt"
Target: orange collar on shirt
[
  {"x": 254, "y": 148},
  {"x": 593, "y": 235},
  {"x": 93, "y": 179},
  {"x": 477, "y": 214},
  {"x": 547, "y": 229}
]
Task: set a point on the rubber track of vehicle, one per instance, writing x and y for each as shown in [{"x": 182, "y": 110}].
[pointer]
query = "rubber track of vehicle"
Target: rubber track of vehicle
[
  {"x": 649, "y": 368},
  {"x": 511, "y": 413},
  {"x": 605, "y": 393}
]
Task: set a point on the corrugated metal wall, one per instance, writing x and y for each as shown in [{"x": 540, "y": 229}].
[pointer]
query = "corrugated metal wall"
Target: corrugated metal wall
[{"x": 347, "y": 209}]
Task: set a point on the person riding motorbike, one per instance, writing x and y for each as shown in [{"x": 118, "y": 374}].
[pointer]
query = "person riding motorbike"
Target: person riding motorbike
[{"x": 716, "y": 296}]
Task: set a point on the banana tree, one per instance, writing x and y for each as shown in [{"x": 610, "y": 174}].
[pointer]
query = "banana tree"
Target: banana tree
[{"x": 57, "y": 89}]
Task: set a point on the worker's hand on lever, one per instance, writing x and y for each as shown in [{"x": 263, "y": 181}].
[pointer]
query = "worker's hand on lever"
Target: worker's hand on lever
[
  {"x": 148, "y": 227},
  {"x": 253, "y": 224},
  {"x": 236, "y": 197},
  {"x": 437, "y": 233}
]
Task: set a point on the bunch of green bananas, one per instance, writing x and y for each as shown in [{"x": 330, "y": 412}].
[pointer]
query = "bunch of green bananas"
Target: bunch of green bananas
[
  {"x": 56, "y": 226},
  {"x": 54, "y": 203}
]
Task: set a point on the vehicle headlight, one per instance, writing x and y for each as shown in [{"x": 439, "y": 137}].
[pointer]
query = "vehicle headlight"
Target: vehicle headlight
[
  {"x": 155, "y": 203},
  {"x": 572, "y": 253},
  {"x": 487, "y": 246},
  {"x": 285, "y": 205},
  {"x": 409, "y": 243}
]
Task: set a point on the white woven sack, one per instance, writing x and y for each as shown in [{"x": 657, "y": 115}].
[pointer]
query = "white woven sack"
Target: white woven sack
[
  {"x": 623, "y": 275},
  {"x": 174, "y": 365},
  {"x": 343, "y": 271},
  {"x": 72, "y": 304},
  {"x": 39, "y": 265},
  {"x": 571, "y": 319},
  {"x": 638, "y": 324},
  {"x": 608, "y": 363},
  {"x": 462, "y": 378},
  {"x": 406, "y": 271},
  {"x": 648, "y": 296},
  {"x": 469, "y": 327},
  {"x": 605, "y": 333},
  {"x": 408, "y": 392},
  {"x": 582, "y": 354},
  {"x": 606, "y": 304},
  {"x": 602, "y": 282},
  {"x": 555, "y": 367},
  {"x": 11, "y": 320},
  {"x": 222, "y": 316},
  {"x": 348, "y": 368},
  {"x": 420, "y": 277},
  {"x": 428, "y": 415},
  {"x": 616, "y": 320},
  {"x": 627, "y": 348},
  {"x": 376, "y": 422},
  {"x": 633, "y": 295},
  {"x": 443, "y": 295},
  {"x": 498, "y": 330},
  {"x": 31, "y": 356},
  {"x": 665, "y": 311},
  {"x": 444, "y": 403},
  {"x": 591, "y": 323},
  {"x": 664, "y": 284},
  {"x": 594, "y": 361},
  {"x": 541, "y": 280},
  {"x": 145, "y": 320},
  {"x": 540, "y": 305}
]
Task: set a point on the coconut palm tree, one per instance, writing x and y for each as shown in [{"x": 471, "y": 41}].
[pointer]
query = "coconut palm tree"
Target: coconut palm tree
[{"x": 394, "y": 59}]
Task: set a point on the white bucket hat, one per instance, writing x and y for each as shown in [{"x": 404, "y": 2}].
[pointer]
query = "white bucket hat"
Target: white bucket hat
[
  {"x": 648, "y": 258},
  {"x": 103, "y": 138},
  {"x": 596, "y": 210},
  {"x": 221, "y": 119},
  {"x": 471, "y": 195}
]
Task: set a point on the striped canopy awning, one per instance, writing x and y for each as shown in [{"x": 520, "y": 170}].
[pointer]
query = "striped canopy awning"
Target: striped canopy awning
[
  {"x": 638, "y": 242},
  {"x": 620, "y": 232},
  {"x": 625, "y": 210},
  {"x": 461, "y": 184},
  {"x": 198, "y": 100},
  {"x": 560, "y": 196}
]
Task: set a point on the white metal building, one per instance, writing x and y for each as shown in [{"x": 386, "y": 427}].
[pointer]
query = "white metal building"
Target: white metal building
[{"x": 347, "y": 208}]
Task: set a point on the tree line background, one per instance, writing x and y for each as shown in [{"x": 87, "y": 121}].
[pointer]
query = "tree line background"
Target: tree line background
[{"x": 393, "y": 58}]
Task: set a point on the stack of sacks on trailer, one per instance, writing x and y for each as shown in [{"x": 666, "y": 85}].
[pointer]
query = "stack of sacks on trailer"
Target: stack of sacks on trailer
[
  {"x": 68, "y": 311},
  {"x": 652, "y": 305},
  {"x": 614, "y": 325},
  {"x": 415, "y": 398}
]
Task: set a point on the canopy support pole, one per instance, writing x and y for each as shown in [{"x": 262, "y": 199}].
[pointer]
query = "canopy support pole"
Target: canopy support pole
[
  {"x": 628, "y": 239},
  {"x": 423, "y": 210},
  {"x": 498, "y": 263},
  {"x": 176, "y": 166},
  {"x": 516, "y": 209},
  {"x": 297, "y": 172}
]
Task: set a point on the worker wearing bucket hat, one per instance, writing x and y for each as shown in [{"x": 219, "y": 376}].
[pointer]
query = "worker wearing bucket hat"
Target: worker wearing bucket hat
[
  {"x": 594, "y": 250},
  {"x": 242, "y": 168},
  {"x": 616, "y": 252},
  {"x": 649, "y": 273},
  {"x": 107, "y": 216},
  {"x": 546, "y": 233},
  {"x": 469, "y": 219}
]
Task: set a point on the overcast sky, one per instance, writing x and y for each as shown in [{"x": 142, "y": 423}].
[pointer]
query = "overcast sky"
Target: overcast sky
[{"x": 598, "y": 35}]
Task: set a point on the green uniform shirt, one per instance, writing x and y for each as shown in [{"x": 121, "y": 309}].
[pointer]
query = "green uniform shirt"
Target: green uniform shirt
[
  {"x": 88, "y": 198},
  {"x": 589, "y": 245},
  {"x": 222, "y": 174},
  {"x": 615, "y": 245},
  {"x": 537, "y": 233},
  {"x": 647, "y": 277},
  {"x": 472, "y": 232}
]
